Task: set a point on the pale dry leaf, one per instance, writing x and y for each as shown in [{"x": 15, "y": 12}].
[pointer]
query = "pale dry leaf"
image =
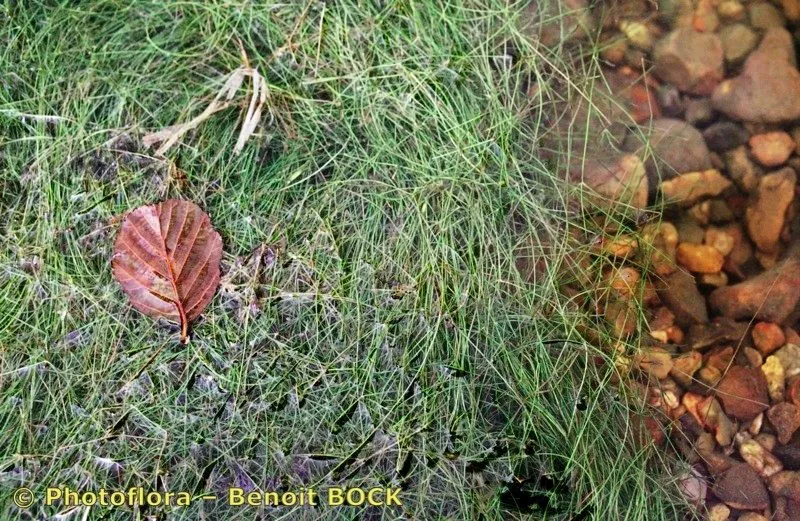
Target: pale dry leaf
[
  {"x": 162, "y": 135},
  {"x": 253, "y": 117},
  {"x": 169, "y": 136}
]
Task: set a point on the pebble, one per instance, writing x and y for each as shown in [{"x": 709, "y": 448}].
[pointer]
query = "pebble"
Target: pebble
[
  {"x": 716, "y": 175},
  {"x": 791, "y": 335},
  {"x": 768, "y": 88},
  {"x": 685, "y": 366},
  {"x": 779, "y": 44},
  {"x": 705, "y": 17},
  {"x": 767, "y": 440},
  {"x": 766, "y": 215},
  {"x": 757, "y": 456},
  {"x": 709, "y": 375},
  {"x": 690, "y": 60},
  {"x": 785, "y": 417},
  {"x": 614, "y": 12},
  {"x": 635, "y": 95},
  {"x": 624, "y": 282},
  {"x": 716, "y": 161},
  {"x": 642, "y": 103},
  {"x": 751, "y": 516},
  {"x": 789, "y": 356},
  {"x": 715, "y": 280},
  {"x": 699, "y": 258},
  {"x": 693, "y": 486},
  {"x": 776, "y": 378},
  {"x": 791, "y": 9},
  {"x": 635, "y": 58},
  {"x": 656, "y": 362},
  {"x": 738, "y": 41},
  {"x": 764, "y": 15},
  {"x": 679, "y": 147},
  {"x": 622, "y": 246},
  {"x": 793, "y": 391},
  {"x": 719, "y": 512},
  {"x": 724, "y": 136},
  {"x": 720, "y": 330},
  {"x": 716, "y": 462},
  {"x": 772, "y": 148},
  {"x": 660, "y": 320},
  {"x": 700, "y": 212},
  {"x": 689, "y": 230},
  {"x": 731, "y": 11},
  {"x": 621, "y": 181},
  {"x": 796, "y": 136},
  {"x": 638, "y": 34},
  {"x": 742, "y": 250},
  {"x": 741, "y": 487},
  {"x": 741, "y": 169},
  {"x": 687, "y": 189},
  {"x": 664, "y": 239},
  {"x": 719, "y": 358},
  {"x": 720, "y": 239},
  {"x": 790, "y": 455},
  {"x": 768, "y": 337},
  {"x": 747, "y": 299},
  {"x": 622, "y": 316},
  {"x": 699, "y": 111},
  {"x": 743, "y": 392},
  {"x": 754, "y": 359},
  {"x": 679, "y": 292},
  {"x": 678, "y": 13},
  {"x": 768, "y": 260},
  {"x": 708, "y": 413},
  {"x": 720, "y": 212},
  {"x": 786, "y": 484},
  {"x": 613, "y": 50}
]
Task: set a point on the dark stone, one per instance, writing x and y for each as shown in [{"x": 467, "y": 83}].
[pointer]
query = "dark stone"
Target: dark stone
[
  {"x": 743, "y": 392},
  {"x": 679, "y": 292},
  {"x": 789, "y": 456},
  {"x": 722, "y": 329},
  {"x": 724, "y": 136},
  {"x": 741, "y": 487},
  {"x": 785, "y": 417},
  {"x": 699, "y": 112}
]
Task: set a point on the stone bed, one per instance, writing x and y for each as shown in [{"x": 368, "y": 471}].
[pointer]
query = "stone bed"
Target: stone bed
[{"x": 714, "y": 86}]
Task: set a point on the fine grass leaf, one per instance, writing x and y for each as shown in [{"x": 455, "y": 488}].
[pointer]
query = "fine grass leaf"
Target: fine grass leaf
[{"x": 166, "y": 257}]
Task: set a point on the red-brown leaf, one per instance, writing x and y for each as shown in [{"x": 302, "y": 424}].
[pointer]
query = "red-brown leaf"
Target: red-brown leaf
[{"x": 166, "y": 257}]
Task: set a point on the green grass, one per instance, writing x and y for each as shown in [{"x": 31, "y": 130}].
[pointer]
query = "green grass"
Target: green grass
[{"x": 372, "y": 329}]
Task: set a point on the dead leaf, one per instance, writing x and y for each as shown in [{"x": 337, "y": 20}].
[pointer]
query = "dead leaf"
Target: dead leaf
[
  {"x": 253, "y": 117},
  {"x": 162, "y": 135},
  {"x": 172, "y": 134},
  {"x": 166, "y": 257}
]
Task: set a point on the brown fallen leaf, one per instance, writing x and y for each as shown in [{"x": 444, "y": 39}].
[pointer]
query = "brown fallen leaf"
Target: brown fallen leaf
[{"x": 166, "y": 257}]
